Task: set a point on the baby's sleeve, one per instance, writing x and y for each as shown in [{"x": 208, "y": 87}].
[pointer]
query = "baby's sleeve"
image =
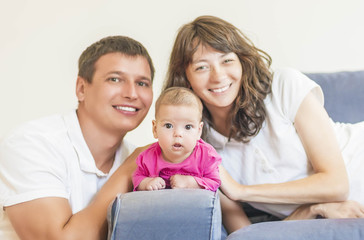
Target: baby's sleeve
[
  {"x": 140, "y": 173},
  {"x": 210, "y": 179}
]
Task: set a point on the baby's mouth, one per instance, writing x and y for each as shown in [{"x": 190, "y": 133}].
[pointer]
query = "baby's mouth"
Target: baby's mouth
[{"x": 177, "y": 145}]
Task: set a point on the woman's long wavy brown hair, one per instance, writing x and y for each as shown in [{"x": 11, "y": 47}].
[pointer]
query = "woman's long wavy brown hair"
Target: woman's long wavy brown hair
[{"x": 248, "y": 113}]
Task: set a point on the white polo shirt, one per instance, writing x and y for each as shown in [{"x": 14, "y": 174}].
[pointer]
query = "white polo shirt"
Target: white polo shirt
[{"x": 49, "y": 158}]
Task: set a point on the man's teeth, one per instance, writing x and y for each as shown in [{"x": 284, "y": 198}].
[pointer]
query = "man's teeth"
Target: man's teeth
[
  {"x": 129, "y": 109},
  {"x": 219, "y": 90}
]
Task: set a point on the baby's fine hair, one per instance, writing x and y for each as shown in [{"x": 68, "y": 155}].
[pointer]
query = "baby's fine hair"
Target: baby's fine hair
[{"x": 179, "y": 96}]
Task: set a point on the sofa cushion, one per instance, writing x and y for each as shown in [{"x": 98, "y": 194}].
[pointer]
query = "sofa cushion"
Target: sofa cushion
[
  {"x": 165, "y": 214},
  {"x": 316, "y": 229},
  {"x": 344, "y": 94}
]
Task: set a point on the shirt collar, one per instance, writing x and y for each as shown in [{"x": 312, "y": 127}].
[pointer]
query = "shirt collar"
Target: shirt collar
[
  {"x": 85, "y": 158},
  {"x": 216, "y": 139}
]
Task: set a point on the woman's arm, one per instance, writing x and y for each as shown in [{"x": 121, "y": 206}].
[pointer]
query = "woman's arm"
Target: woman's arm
[
  {"x": 329, "y": 182},
  {"x": 52, "y": 218}
]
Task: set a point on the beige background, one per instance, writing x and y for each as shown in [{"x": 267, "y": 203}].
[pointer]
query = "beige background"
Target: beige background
[{"x": 41, "y": 41}]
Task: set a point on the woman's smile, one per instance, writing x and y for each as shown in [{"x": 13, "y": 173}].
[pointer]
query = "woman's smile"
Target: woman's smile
[{"x": 221, "y": 89}]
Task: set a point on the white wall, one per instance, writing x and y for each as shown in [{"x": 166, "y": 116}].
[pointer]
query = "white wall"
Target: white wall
[{"x": 41, "y": 41}]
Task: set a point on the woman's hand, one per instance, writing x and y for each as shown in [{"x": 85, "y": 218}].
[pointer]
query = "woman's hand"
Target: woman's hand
[{"x": 345, "y": 209}]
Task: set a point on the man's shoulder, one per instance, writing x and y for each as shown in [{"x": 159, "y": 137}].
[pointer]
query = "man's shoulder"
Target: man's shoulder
[{"x": 43, "y": 127}]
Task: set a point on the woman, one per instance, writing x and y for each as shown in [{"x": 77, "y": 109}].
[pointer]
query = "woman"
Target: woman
[{"x": 276, "y": 139}]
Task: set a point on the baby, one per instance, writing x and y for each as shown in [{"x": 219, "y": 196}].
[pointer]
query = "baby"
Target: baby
[{"x": 180, "y": 158}]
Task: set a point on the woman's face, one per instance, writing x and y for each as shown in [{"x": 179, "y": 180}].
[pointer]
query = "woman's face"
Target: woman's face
[{"x": 215, "y": 77}]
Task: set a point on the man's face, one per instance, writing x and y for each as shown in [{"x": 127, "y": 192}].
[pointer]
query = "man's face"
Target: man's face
[{"x": 119, "y": 96}]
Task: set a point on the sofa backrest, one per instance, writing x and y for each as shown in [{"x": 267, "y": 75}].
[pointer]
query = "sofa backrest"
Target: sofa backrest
[{"x": 343, "y": 93}]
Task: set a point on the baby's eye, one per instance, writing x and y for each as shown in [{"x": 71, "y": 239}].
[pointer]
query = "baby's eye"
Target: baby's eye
[
  {"x": 188, "y": 127},
  {"x": 168, "y": 125}
]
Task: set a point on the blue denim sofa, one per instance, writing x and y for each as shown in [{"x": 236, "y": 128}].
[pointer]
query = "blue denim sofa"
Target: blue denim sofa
[
  {"x": 196, "y": 214},
  {"x": 170, "y": 214}
]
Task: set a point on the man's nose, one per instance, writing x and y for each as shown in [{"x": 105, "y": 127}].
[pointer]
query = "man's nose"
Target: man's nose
[{"x": 129, "y": 90}]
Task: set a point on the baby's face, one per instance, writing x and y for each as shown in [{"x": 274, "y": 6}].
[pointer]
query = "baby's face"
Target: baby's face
[{"x": 177, "y": 129}]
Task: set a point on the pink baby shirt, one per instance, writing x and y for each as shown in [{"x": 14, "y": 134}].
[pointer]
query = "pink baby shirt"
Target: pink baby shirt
[{"x": 202, "y": 164}]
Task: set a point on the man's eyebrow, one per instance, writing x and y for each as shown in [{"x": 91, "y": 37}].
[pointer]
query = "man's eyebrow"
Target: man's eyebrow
[
  {"x": 120, "y": 73},
  {"x": 114, "y": 72},
  {"x": 145, "y": 78}
]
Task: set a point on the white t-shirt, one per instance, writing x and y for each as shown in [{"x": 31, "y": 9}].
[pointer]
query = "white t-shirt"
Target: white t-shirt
[
  {"x": 276, "y": 154},
  {"x": 49, "y": 158}
]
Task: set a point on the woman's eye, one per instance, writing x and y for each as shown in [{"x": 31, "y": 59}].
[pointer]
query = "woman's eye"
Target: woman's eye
[
  {"x": 188, "y": 127},
  {"x": 200, "y": 68},
  {"x": 228, "y": 60},
  {"x": 168, "y": 125}
]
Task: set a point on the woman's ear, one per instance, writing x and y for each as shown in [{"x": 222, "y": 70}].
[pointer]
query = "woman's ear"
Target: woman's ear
[
  {"x": 80, "y": 88},
  {"x": 189, "y": 85}
]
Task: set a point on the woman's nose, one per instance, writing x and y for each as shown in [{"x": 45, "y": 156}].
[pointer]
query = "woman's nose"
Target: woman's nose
[{"x": 217, "y": 73}]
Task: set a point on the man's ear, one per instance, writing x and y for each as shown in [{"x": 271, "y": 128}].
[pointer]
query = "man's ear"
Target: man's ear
[
  {"x": 154, "y": 122},
  {"x": 80, "y": 88}
]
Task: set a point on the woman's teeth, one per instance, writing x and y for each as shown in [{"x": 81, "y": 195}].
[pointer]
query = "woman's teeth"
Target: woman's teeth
[{"x": 219, "y": 90}]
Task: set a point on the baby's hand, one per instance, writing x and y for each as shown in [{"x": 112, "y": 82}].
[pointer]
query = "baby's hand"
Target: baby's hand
[
  {"x": 183, "y": 181},
  {"x": 151, "y": 184}
]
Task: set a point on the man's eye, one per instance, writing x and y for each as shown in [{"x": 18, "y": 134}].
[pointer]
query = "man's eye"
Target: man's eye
[
  {"x": 188, "y": 127},
  {"x": 143, "y": 84},
  {"x": 113, "y": 79},
  {"x": 168, "y": 125}
]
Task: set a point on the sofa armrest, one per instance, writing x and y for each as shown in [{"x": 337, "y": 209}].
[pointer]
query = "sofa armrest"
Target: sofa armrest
[
  {"x": 165, "y": 214},
  {"x": 316, "y": 229}
]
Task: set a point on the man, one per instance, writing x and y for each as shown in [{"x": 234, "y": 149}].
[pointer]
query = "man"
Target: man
[{"x": 55, "y": 172}]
